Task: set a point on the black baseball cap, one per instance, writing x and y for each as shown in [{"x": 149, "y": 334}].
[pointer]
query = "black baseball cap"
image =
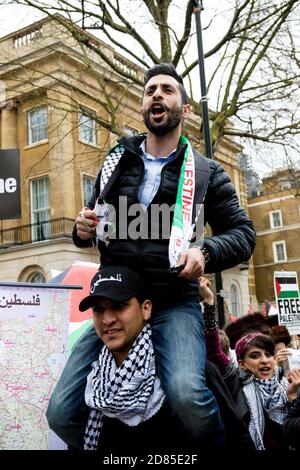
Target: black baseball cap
[{"x": 115, "y": 283}]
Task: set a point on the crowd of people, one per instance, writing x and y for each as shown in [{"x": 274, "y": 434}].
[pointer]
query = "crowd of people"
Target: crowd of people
[
  {"x": 154, "y": 373},
  {"x": 127, "y": 411},
  {"x": 271, "y": 396}
]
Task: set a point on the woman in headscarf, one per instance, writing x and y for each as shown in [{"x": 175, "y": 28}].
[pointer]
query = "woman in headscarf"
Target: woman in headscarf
[{"x": 268, "y": 400}]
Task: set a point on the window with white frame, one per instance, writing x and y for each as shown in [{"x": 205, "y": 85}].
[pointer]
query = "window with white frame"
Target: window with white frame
[
  {"x": 87, "y": 128},
  {"x": 40, "y": 209},
  {"x": 37, "y": 125},
  {"x": 275, "y": 219},
  {"x": 88, "y": 186},
  {"x": 279, "y": 251},
  {"x": 235, "y": 301}
]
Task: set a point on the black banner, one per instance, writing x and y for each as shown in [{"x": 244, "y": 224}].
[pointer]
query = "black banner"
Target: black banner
[{"x": 10, "y": 194}]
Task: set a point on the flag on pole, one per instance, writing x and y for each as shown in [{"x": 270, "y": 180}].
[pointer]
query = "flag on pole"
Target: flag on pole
[
  {"x": 268, "y": 309},
  {"x": 265, "y": 308}
]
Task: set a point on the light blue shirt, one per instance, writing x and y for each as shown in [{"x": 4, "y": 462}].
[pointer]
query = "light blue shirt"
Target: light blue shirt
[{"x": 152, "y": 176}]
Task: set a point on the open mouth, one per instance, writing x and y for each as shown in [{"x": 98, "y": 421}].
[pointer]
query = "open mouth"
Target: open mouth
[
  {"x": 113, "y": 331},
  {"x": 157, "y": 111},
  {"x": 265, "y": 371}
]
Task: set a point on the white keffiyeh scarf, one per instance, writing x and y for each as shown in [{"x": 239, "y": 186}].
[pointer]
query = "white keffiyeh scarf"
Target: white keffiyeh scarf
[
  {"x": 132, "y": 392},
  {"x": 264, "y": 396}
]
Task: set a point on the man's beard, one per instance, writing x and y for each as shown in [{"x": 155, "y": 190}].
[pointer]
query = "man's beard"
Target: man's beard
[{"x": 173, "y": 120}]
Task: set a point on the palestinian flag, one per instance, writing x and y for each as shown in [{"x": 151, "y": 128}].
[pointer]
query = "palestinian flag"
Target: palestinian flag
[{"x": 286, "y": 287}]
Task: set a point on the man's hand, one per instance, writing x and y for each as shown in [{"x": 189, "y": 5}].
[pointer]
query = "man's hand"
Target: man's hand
[
  {"x": 86, "y": 223},
  {"x": 282, "y": 356},
  {"x": 195, "y": 264},
  {"x": 282, "y": 360}
]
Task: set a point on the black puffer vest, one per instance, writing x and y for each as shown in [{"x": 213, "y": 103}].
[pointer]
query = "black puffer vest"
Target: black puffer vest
[
  {"x": 147, "y": 254},
  {"x": 233, "y": 238}
]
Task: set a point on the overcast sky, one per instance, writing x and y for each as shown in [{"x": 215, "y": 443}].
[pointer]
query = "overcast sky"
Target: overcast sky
[{"x": 14, "y": 17}]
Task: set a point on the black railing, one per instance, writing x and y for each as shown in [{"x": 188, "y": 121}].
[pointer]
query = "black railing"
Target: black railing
[{"x": 32, "y": 233}]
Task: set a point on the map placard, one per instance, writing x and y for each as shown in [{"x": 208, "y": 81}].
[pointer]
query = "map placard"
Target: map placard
[{"x": 34, "y": 326}]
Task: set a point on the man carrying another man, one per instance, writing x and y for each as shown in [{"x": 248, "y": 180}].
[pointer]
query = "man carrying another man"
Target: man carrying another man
[
  {"x": 161, "y": 168},
  {"x": 128, "y": 413}
]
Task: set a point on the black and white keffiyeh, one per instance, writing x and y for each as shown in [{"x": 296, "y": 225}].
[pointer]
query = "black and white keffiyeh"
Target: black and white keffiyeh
[
  {"x": 109, "y": 165},
  {"x": 264, "y": 396},
  {"x": 132, "y": 392}
]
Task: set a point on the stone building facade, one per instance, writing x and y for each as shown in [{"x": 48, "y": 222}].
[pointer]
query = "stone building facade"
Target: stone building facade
[
  {"x": 276, "y": 215},
  {"x": 63, "y": 108}
]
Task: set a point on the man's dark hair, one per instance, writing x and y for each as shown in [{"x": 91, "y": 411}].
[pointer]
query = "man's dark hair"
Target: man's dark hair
[
  {"x": 167, "y": 69},
  {"x": 262, "y": 342},
  {"x": 244, "y": 325},
  {"x": 280, "y": 334}
]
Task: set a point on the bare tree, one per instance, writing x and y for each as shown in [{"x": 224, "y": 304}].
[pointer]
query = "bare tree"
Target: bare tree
[
  {"x": 62, "y": 88},
  {"x": 256, "y": 76}
]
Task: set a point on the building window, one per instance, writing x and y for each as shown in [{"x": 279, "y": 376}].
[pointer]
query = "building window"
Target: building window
[
  {"x": 36, "y": 277},
  {"x": 279, "y": 251},
  {"x": 87, "y": 128},
  {"x": 285, "y": 184},
  {"x": 235, "y": 301},
  {"x": 88, "y": 186},
  {"x": 275, "y": 219},
  {"x": 37, "y": 125},
  {"x": 40, "y": 209}
]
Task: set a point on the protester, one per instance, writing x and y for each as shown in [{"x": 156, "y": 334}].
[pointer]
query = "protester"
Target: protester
[
  {"x": 124, "y": 394},
  {"x": 267, "y": 399},
  {"x": 244, "y": 324},
  {"x": 282, "y": 340},
  {"x": 216, "y": 355},
  {"x": 154, "y": 171},
  {"x": 281, "y": 337},
  {"x": 128, "y": 411},
  {"x": 291, "y": 426},
  {"x": 225, "y": 343}
]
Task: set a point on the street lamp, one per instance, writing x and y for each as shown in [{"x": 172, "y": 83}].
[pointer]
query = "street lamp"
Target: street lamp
[{"x": 198, "y": 7}]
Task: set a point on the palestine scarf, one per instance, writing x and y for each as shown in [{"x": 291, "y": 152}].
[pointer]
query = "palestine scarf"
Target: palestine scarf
[
  {"x": 264, "y": 396},
  {"x": 183, "y": 225},
  {"x": 132, "y": 392}
]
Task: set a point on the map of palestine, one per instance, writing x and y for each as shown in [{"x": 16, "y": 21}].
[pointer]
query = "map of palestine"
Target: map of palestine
[{"x": 33, "y": 335}]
